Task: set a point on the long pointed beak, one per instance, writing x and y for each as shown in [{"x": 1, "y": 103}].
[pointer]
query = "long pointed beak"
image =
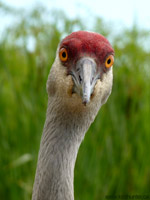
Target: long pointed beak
[
  {"x": 88, "y": 69},
  {"x": 85, "y": 76}
]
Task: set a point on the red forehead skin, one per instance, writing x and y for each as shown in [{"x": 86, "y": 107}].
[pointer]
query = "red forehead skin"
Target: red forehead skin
[{"x": 83, "y": 43}]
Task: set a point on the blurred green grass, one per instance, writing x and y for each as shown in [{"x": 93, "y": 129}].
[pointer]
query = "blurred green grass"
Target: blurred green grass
[{"x": 114, "y": 157}]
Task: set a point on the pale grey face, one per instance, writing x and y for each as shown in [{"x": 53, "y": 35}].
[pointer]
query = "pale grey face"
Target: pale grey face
[
  {"x": 84, "y": 84},
  {"x": 85, "y": 73}
]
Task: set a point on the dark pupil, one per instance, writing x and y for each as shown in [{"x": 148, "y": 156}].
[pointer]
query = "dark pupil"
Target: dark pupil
[
  {"x": 109, "y": 61},
  {"x": 64, "y": 55}
]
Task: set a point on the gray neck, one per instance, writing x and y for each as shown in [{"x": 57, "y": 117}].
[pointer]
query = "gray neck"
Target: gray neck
[{"x": 62, "y": 136}]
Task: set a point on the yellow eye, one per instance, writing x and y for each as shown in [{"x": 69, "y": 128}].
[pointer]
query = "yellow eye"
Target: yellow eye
[
  {"x": 63, "y": 54},
  {"x": 109, "y": 61}
]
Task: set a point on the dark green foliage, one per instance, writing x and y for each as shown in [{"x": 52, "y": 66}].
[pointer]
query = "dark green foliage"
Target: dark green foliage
[{"x": 114, "y": 157}]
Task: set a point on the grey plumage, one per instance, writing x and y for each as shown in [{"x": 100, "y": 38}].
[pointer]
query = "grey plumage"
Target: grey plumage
[{"x": 67, "y": 121}]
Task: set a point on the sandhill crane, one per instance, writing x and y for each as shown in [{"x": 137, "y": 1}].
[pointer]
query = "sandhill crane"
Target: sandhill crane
[{"x": 80, "y": 81}]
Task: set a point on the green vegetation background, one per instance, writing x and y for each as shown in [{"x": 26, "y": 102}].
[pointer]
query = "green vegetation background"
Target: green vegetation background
[{"x": 115, "y": 155}]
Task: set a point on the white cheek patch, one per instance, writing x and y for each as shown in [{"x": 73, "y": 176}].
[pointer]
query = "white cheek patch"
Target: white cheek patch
[{"x": 103, "y": 87}]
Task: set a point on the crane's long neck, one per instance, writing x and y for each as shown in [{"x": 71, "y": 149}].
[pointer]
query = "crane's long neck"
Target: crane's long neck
[{"x": 62, "y": 136}]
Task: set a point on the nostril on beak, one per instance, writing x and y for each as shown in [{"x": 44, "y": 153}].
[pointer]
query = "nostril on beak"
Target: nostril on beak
[
  {"x": 92, "y": 79},
  {"x": 80, "y": 79}
]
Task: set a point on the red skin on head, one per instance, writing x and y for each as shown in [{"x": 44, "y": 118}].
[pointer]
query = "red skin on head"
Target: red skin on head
[{"x": 83, "y": 43}]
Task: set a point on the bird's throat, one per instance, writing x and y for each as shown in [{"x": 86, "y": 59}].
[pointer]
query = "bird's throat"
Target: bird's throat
[{"x": 62, "y": 136}]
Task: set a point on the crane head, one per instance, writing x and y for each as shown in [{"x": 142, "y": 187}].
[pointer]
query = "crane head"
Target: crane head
[{"x": 83, "y": 68}]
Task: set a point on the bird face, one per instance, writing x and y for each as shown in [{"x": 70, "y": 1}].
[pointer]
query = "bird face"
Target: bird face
[{"x": 87, "y": 58}]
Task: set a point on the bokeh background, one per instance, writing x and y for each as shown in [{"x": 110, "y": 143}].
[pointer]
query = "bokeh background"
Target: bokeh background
[{"x": 115, "y": 155}]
